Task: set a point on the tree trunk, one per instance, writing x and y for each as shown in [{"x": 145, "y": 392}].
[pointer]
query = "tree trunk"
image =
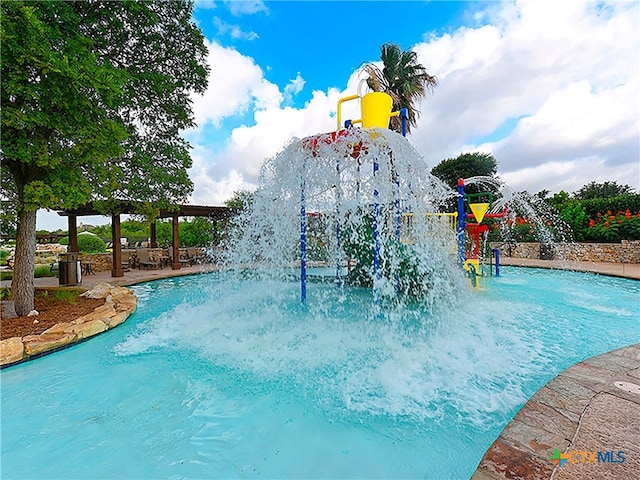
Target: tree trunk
[{"x": 22, "y": 285}]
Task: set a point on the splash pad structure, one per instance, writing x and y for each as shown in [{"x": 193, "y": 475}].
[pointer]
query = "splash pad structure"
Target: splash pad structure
[
  {"x": 358, "y": 202},
  {"x": 361, "y": 203}
]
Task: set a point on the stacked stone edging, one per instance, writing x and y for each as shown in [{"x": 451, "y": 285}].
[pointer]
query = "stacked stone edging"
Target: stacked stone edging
[
  {"x": 120, "y": 303},
  {"x": 628, "y": 251},
  {"x": 103, "y": 262}
]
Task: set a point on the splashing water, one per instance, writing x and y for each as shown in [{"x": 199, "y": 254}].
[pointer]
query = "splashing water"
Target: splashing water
[{"x": 362, "y": 191}]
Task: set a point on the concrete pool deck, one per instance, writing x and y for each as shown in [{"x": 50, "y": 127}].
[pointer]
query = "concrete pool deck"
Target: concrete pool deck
[
  {"x": 624, "y": 270},
  {"x": 587, "y": 418}
]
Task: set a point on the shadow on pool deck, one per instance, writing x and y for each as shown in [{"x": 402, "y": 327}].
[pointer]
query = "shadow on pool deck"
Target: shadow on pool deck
[{"x": 578, "y": 412}]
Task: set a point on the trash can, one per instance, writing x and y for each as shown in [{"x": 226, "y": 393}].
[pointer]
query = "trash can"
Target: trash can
[
  {"x": 69, "y": 269},
  {"x": 547, "y": 251}
]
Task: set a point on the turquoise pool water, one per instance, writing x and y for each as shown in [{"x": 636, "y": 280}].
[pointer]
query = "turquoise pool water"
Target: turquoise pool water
[{"x": 216, "y": 379}]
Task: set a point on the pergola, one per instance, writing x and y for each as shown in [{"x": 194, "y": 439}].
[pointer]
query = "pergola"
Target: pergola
[{"x": 176, "y": 211}]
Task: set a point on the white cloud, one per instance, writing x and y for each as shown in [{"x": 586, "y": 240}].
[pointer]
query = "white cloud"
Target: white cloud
[
  {"x": 234, "y": 31},
  {"x": 235, "y": 83},
  {"x": 245, "y": 7},
  {"x": 294, "y": 87},
  {"x": 205, "y": 4},
  {"x": 569, "y": 71}
]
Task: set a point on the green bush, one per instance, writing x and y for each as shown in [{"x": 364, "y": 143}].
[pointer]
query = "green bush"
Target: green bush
[
  {"x": 620, "y": 203},
  {"x": 43, "y": 271},
  {"x": 3, "y": 257},
  {"x": 91, "y": 243}
]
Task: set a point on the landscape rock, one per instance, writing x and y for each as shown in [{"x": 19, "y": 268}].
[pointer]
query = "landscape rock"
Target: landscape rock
[
  {"x": 9, "y": 309},
  {"x": 117, "y": 319},
  {"x": 101, "y": 290},
  {"x": 88, "y": 329},
  {"x": 120, "y": 305},
  {"x": 11, "y": 350},
  {"x": 34, "y": 344},
  {"x": 61, "y": 327},
  {"x": 101, "y": 313}
]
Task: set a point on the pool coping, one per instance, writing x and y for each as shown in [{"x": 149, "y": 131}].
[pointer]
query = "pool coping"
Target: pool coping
[{"x": 579, "y": 412}]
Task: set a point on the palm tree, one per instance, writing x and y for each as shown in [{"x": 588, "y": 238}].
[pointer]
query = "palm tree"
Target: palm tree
[{"x": 402, "y": 77}]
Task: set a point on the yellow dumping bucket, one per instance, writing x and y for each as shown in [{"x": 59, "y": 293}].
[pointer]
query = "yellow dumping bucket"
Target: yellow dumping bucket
[
  {"x": 376, "y": 108},
  {"x": 479, "y": 210}
]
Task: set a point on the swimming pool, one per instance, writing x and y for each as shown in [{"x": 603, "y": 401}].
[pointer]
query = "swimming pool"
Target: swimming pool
[{"x": 213, "y": 378}]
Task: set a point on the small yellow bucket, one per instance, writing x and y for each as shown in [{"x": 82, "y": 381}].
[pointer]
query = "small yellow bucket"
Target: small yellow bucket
[{"x": 376, "y": 110}]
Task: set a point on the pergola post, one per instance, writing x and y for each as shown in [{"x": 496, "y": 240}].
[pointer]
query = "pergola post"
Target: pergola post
[
  {"x": 116, "y": 269},
  {"x": 153, "y": 243},
  {"x": 175, "y": 243},
  {"x": 73, "y": 234}
]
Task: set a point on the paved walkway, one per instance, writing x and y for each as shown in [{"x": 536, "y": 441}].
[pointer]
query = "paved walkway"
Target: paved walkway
[
  {"x": 589, "y": 415},
  {"x": 626, "y": 270},
  {"x": 130, "y": 278},
  {"x": 587, "y": 419}
]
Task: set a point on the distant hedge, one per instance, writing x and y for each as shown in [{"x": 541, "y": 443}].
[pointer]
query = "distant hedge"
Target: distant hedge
[
  {"x": 88, "y": 243},
  {"x": 612, "y": 204}
]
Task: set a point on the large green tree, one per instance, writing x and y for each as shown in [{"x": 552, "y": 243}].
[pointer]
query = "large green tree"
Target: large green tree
[
  {"x": 465, "y": 165},
  {"x": 94, "y": 97},
  {"x": 607, "y": 189},
  {"x": 402, "y": 77}
]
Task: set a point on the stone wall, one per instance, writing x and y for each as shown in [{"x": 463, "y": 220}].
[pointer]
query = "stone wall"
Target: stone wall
[
  {"x": 103, "y": 261},
  {"x": 626, "y": 252}
]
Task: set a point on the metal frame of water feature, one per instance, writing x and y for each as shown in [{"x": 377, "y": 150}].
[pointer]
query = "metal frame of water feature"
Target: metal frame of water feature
[{"x": 378, "y": 204}]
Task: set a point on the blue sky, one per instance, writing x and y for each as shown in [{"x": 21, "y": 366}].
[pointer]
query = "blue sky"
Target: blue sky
[{"x": 550, "y": 88}]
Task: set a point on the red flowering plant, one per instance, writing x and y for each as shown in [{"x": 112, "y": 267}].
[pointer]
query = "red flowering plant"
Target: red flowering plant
[{"x": 612, "y": 228}]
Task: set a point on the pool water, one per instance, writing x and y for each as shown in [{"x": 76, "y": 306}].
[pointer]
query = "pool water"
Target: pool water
[{"x": 212, "y": 378}]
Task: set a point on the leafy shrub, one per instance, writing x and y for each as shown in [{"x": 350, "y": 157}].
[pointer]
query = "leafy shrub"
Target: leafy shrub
[
  {"x": 69, "y": 296},
  {"x": 611, "y": 228},
  {"x": 88, "y": 242},
  {"x": 5, "y": 293},
  {"x": 620, "y": 203},
  {"x": 91, "y": 243},
  {"x": 43, "y": 271}
]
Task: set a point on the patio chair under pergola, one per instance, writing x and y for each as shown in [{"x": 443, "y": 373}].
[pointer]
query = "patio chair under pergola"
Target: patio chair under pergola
[{"x": 214, "y": 213}]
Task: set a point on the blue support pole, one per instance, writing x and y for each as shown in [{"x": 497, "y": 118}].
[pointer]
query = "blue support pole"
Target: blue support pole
[
  {"x": 404, "y": 116},
  {"x": 338, "y": 243},
  {"x": 376, "y": 235},
  {"x": 303, "y": 244},
  {"x": 496, "y": 253},
  {"x": 398, "y": 213},
  {"x": 462, "y": 217}
]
